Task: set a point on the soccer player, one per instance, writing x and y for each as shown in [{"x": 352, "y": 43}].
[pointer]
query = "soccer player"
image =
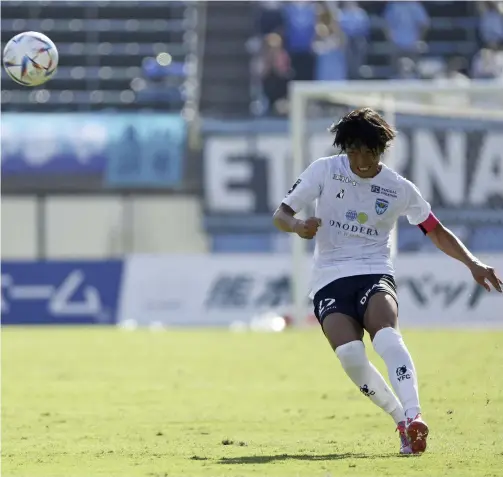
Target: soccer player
[{"x": 358, "y": 201}]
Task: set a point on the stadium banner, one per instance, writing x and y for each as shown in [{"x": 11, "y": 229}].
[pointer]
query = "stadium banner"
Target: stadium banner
[
  {"x": 218, "y": 290},
  {"x": 457, "y": 165},
  {"x": 126, "y": 150},
  {"x": 60, "y": 292}
]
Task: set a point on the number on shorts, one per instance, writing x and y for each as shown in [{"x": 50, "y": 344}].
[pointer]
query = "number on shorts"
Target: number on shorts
[{"x": 324, "y": 304}]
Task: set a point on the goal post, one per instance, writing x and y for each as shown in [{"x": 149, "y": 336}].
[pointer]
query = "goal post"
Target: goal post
[{"x": 448, "y": 100}]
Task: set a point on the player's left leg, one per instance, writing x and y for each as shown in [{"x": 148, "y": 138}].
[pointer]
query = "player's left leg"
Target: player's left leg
[{"x": 381, "y": 322}]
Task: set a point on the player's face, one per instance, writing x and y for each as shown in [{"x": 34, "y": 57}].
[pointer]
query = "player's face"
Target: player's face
[{"x": 363, "y": 161}]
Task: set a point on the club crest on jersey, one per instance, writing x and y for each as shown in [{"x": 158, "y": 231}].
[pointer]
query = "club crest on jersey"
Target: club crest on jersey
[{"x": 381, "y": 206}]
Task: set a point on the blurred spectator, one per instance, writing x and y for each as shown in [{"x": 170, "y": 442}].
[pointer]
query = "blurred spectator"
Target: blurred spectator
[
  {"x": 270, "y": 18},
  {"x": 331, "y": 62},
  {"x": 454, "y": 71},
  {"x": 406, "y": 24},
  {"x": 300, "y": 31},
  {"x": 453, "y": 74},
  {"x": 355, "y": 24},
  {"x": 485, "y": 65},
  {"x": 275, "y": 72},
  {"x": 406, "y": 69},
  {"x": 490, "y": 24}
]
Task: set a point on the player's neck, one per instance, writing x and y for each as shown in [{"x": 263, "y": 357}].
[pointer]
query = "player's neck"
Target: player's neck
[{"x": 370, "y": 173}]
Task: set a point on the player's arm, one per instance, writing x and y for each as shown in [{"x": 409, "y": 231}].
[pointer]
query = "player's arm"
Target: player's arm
[
  {"x": 447, "y": 242},
  {"x": 419, "y": 213},
  {"x": 284, "y": 219},
  {"x": 307, "y": 189}
]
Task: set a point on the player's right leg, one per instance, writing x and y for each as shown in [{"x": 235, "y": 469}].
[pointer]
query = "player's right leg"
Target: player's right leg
[{"x": 345, "y": 336}]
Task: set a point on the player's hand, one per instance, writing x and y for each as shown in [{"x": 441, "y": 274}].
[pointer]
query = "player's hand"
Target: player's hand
[
  {"x": 307, "y": 229},
  {"x": 483, "y": 274}
]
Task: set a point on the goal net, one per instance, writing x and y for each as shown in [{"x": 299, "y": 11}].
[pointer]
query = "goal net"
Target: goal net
[{"x": 450, "y": 143}]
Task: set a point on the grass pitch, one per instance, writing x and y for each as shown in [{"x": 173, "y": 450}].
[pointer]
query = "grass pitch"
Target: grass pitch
[{"x": 106, "y": 402}]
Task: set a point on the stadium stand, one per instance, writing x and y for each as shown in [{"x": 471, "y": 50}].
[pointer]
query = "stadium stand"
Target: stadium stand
[
  {"x": 451, "y": 33},
  {"x": 204, "y": 58},
  {"x": 226, "y": 69}
]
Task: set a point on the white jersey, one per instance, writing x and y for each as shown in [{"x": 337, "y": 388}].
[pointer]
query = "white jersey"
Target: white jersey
[{"x": 357, "y": 216}]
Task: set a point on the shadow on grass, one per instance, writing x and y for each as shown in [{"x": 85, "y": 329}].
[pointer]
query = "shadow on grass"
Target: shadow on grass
[{"x": 265, "y": 459}]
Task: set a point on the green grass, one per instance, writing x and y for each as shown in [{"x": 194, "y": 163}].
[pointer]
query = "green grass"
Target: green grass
[{"x": 105, "y": 402}]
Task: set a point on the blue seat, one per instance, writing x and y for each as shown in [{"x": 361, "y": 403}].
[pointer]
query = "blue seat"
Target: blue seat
[
  {"x": 8, "y": 25},
  {"x": 152, "y": 69}
]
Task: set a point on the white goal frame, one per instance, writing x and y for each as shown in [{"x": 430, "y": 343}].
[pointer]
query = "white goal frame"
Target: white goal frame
[{"x": 379, "y": 95}]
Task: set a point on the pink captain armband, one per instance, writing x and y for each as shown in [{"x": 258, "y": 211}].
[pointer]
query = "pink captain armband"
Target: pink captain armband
[{"x": 429, "y": 224}]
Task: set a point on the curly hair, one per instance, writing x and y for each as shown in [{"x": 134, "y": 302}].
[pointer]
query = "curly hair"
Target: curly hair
[{"x": 363, "y": 128}]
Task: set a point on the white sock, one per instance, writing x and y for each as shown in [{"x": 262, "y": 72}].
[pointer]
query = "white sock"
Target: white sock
[
  {"x": 389, "y": 345},
  {"x": 357, "y": 366}
]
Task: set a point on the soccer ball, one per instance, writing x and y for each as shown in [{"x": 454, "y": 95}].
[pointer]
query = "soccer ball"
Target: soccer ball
[{"x": 30, "y": 58}]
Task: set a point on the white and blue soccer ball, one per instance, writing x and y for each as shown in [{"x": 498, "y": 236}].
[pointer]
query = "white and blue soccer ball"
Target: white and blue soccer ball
[{"x": 30, "y": 58}]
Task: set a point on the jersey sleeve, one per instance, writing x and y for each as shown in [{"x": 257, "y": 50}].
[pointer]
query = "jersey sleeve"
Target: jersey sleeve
[
  {"x": 417, "y": 209},
  {"x": 308, "y": 186}
]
